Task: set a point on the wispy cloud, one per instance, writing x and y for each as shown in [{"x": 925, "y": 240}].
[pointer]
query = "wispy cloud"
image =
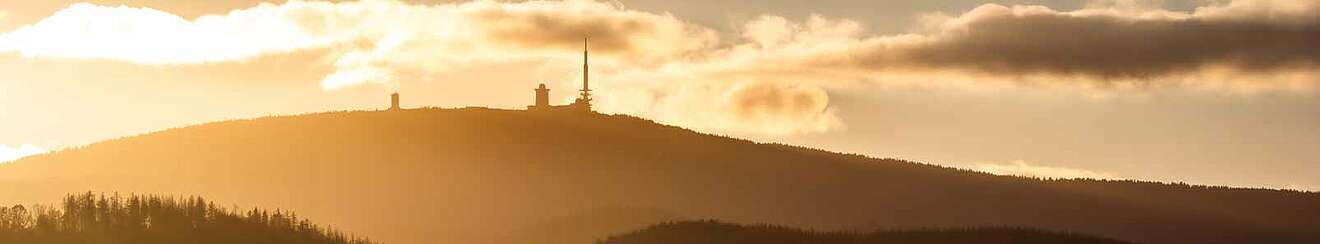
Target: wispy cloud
[
  {"x": 1020, "y": 168},
  {"x": 14, "y": 153}
]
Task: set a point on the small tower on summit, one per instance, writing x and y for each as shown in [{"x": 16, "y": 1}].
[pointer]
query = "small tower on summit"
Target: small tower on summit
[
  {"x": 394, "y": 101},
  {"x": 542, "y": 96},
  {"x": 581, "y": 105}
]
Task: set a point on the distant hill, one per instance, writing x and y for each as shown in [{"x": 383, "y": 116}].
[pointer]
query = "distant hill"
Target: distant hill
[
  {"x": 711, "y": 232},
  {"x": 114, "y": 219},
  {"x": 501, "y": 176}
]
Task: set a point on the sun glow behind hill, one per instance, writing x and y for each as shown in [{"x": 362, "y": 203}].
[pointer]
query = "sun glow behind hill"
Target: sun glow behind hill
[{"x": 13, "y": 153}]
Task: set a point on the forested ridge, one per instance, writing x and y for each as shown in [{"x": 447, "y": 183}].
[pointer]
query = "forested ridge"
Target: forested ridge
[
  {"x": 713, "y": 232},
  {"x": 476, "y": 175},
  {"x": 135, "y": 219}
]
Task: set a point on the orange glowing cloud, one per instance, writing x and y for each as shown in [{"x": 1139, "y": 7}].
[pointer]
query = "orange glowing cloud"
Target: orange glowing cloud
[{"x": 393, "y": 33}]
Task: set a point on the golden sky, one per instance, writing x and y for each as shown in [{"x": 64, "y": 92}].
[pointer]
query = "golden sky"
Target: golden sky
[{"x": 1210, "y": 92}]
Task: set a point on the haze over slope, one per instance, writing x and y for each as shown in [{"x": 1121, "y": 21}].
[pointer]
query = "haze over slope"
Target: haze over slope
[{"x": 499, "y": 176}]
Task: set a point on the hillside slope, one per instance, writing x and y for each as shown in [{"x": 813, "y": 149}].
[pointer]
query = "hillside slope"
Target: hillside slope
[
  {"x": 711, "y": 232},
  {"x": 499, "y": 176}
]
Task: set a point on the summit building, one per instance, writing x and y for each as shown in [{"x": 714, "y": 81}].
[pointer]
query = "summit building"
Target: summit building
[{"x": 581, "y": 105}]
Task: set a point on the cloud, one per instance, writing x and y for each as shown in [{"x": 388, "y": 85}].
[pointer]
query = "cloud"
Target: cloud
[
  {"x": 1104, "y": 43},
  {"x": 373, "y": 37},
  {"x": 1119, "y": 42},
  {"x": 774, "y": 76},
  {"x": 440, "y": 38},
  {"x": 149, "y": 36},
  {"x": 1020, "y": 168},
  {"x": 770, "y": 101},
  {"x": 14, "y": 153},
  {"x": 1241, "y": 45},
  {"x": 736, "y": 107},
  {"x": 658, "y": 65}
]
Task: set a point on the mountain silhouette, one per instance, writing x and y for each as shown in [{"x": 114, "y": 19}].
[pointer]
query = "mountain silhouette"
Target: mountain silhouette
[
  {"x": 712, "y": 232},
  {"x": 480, "y": 175}
]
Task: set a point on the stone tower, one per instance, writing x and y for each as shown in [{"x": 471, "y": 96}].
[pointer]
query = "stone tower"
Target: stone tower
[
  {"x": 394, "y": 101},
  {"x": 542, "y": 96}
]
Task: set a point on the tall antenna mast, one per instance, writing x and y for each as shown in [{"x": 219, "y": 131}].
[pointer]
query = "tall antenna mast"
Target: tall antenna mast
[{"x": 586, "y": 84}]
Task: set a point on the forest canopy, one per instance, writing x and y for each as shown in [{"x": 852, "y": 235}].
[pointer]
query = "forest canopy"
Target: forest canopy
[
  {"x": 713, "y": 232},
  {"x": 149, "y": 219}
]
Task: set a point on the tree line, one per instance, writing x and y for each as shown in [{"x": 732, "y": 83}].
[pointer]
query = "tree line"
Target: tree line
[
  {"x": 714, "y": 232},
  {"x": 148, "y": 219}
]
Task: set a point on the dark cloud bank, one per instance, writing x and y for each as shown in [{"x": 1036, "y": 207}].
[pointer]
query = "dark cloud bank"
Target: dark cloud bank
[{"x": 1105, "y": 44}]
